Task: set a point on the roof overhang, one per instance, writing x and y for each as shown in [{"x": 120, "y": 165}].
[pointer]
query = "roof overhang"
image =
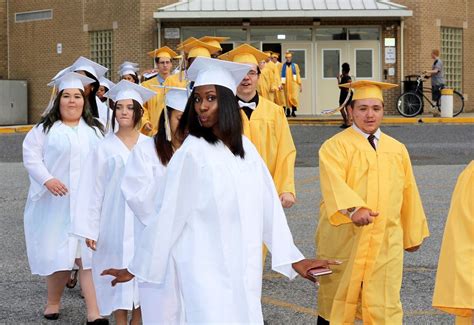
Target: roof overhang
[{"x": 195, "y": 9}]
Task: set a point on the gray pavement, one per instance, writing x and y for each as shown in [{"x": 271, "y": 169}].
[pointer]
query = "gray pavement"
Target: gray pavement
[{"x": 284, "y": 302}]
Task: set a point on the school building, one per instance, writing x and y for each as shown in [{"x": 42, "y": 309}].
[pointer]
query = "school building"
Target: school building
[{"x": 381, "y": 40}]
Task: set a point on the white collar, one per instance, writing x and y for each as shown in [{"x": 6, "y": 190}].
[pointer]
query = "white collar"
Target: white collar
[{"x": 366, "y": 135}]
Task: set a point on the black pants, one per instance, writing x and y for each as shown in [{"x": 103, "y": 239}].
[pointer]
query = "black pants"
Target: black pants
[
  {"x": 436, "y": 92},
  {"x": 322, "y": 321}
]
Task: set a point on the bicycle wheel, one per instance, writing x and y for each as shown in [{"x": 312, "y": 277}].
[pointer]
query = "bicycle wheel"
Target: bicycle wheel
[
  {"x": 409, "y": 104},
  {"x": 458, "y": 103}
]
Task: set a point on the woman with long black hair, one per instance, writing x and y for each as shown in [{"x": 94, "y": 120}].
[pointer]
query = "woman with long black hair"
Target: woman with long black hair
[
  {"x": 53, "y": 154},
  {"x": 220, "y": 204}
]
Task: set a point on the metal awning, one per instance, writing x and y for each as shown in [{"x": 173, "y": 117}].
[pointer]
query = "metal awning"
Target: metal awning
[{"x": 219, "y": 9}]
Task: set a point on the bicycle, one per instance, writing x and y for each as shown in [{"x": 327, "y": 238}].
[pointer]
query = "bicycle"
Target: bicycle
[{"x": 410, "y": 103}]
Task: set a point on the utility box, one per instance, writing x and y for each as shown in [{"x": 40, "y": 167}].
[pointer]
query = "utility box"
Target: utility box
[{"x": 13, "y": 102}]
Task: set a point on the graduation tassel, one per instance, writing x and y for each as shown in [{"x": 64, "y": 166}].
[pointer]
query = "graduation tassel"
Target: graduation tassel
[
  {"x": 167, "y": 124},
  {"x": 107, "y": 124},
  {"x": 334, "y": 111}
]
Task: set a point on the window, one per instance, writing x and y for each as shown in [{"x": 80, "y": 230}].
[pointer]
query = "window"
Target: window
[
  {"x": 364, "y": 33},
  {"x": 280, "y": 34},
  {"x": 352, "y": 33},
  {"x": 101, "y": 44},
  {"x": 451, "y": 54},
  {"x": 331, "y": 34},
  {"x": 364, "y": 63},
  {"x": 21, "y": 17},
  {"x": 331, "y": 62},
  {"x": 234, "y": 34}
]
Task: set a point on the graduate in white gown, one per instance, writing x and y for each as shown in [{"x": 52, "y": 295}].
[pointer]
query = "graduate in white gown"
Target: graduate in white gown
[
  {"x": 103, "y": 217},
  {"x": 143, "y": 179},
  {"x": 53, "y": 154},
  {"x": 220, "y": 204}
]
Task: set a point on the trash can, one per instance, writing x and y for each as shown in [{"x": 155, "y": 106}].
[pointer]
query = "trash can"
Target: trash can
[
  {"x": 447, "y": 102},
  {"x": 410, "y": 83}
]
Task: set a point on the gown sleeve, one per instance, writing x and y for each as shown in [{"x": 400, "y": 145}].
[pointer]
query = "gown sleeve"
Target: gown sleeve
[
  {"x": 152, "y": 254},
  {"x": 33, "y": 155},
  {"x": 276, "y": 233},
  {"x": 415, "y": 227},
  {"x": 92, "y": 186},
  {"x": 284, "y": 176},
  {"x": 336, "y": 193},
  {"x": 139, "y": 185}
]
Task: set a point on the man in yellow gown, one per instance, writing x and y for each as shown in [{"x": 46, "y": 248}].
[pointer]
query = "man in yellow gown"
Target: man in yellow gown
[
  {"x": 291, "y": 80},
  {"x": 454, "y": 287},
  {"x": 280, "y": 99},
  {"x": 370, "y": 213},
  {"x": 152, "y": 109},
  {"x": 266, "y": 81},
  {"x": 265, "y": 125}
]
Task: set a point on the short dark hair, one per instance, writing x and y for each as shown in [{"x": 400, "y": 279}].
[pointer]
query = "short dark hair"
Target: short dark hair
[
  {"x": 346, "y": 67},
  {"x": 353, "y": 102},
  {"x": 55, "y": 115},
  {"x": 229, "y": 120},
  {"x": 137, "y": 113},
  {"x": 157, "y": 59},
  {"x": 134, "y": 76},
  {"x": 163, "y": 147}
]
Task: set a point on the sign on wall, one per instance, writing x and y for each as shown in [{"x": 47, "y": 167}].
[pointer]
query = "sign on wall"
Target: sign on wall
[
  {"x": 390, "y": 55},
  {"x": 172, "y": 33}
]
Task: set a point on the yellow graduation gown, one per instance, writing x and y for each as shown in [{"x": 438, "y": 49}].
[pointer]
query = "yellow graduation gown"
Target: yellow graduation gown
[
  {"x": 266, "y": 83},
  {"x": 292, "y": 86},
  {"x": 353, "y": 174},
  {"x": 153, "y": 107},
  {"x": 280, "y": 98},
  {"x": 269, "y": 131},
  {"x": 454, "y": 287}
]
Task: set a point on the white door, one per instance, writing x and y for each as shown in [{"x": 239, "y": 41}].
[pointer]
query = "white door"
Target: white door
[
  {"x": 363, "y": 58},
  {"x": 303, "y": 56}
]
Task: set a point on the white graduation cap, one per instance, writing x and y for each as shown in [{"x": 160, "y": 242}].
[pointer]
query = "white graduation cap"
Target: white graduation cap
[
  {"x": 65, "y": 80},
  {"x": 59, "y": 74},
  {"x": 103, "y": 81},
  {"x": 129, "y": 90},
  {"x": 128, "y": 68},
  {"x": 207, "y": 71},
  {"x": 84, "y": 64},
  {"x": 72, "y": 80}
]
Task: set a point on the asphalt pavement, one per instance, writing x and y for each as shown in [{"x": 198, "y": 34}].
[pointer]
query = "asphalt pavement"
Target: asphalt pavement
[{"x": 439, "y": 153}]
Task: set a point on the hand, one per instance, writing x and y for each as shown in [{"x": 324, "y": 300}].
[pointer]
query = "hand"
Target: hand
[
  {"x": 280, "y": 87},
  {"x": 121, "y": 275},
  {"x": 412, "y": 249},
  {"x": 56, "y": 188},
  {"x": 363, "y": 217},
  {"x": 148, "y": 127},
  {"x": 92, "y": 244},
  {"x": 302, "y": 267},
  {"x": 287, "y": 200}
]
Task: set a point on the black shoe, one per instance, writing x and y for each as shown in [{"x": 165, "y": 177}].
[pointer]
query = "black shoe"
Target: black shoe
[
  {"x": 344, "y": 126},
  {"x": 99, "y": 321},
  {"x": 293, "y": 114},
  {"x": 288, "y": 114},
  {"x": 53, "y": 316}
]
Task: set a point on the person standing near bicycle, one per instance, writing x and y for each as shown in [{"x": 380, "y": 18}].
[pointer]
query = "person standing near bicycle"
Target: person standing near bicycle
[
  {"x": 344, "y": 78},
  {"x": 437, "y": 76}
]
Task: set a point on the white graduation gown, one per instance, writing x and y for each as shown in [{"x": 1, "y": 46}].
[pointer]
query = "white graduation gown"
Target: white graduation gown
[
  {"x": 216, "y": 212},
  {"x": 142, "y": 181},
  {"x": 103, "y": 118},
  {"x": 48, "y": 219},
  {"x": 104, "y": 216}
]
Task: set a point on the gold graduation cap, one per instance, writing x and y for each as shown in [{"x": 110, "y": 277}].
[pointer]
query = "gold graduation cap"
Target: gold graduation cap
[
  {"x": 214, "y": 40},
  {"x": 365, "y": 89},
  {"x": 275, "y": 55},
  {"x": 163, "y": 52},
  {"x": 244, "y": 53},
  {"x": 194, "y": 48}
]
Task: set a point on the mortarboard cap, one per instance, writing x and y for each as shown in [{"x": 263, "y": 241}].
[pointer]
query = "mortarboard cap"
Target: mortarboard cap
[
  {"x": 84, "y": 64},
  {"x": 129, "y": 90},
  {"x": 163, "y": 52},
  {"x": 214, "y": 40},
  {"x": 103, "y": 81},
  {"x": 367, "y": 89},
  {"x": 275, "y": 55},
  {"x": 195, "y": 48},
  {"x": 207, "y": 71},
  {"x": 71, "y": 80},
  {"x": 128, "y": 68},
  {"x": 244, "y": 53}
]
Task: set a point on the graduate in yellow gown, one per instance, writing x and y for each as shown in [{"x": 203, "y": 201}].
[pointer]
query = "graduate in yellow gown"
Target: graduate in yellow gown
[
  {"x": 370, "y": 213},
  {"x": 190, "y": 49},
  {"x": 280, "y": 98},
  {"x": 454, "y": 287},
  {"x": 153, "y": 108},
  {"x": 214, "y": 41},
  {"x": 291, "y": 80},
  {"x": 266, "y": 81}
]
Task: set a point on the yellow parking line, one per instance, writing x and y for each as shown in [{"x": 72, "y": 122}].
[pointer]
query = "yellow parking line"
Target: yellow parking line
[{"x": 287, "y": 305}]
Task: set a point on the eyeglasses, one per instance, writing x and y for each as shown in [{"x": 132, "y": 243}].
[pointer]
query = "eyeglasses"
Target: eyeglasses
[{"x": 252, "y": 73}]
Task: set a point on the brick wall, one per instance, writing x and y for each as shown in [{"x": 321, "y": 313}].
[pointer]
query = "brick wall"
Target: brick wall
[{"x": 3, "y": 40}]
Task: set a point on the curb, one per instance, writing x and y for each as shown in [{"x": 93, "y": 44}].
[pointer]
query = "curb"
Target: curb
[
  {"x": 386, "y": 120},
  {"x": 15, "y": 129}
]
